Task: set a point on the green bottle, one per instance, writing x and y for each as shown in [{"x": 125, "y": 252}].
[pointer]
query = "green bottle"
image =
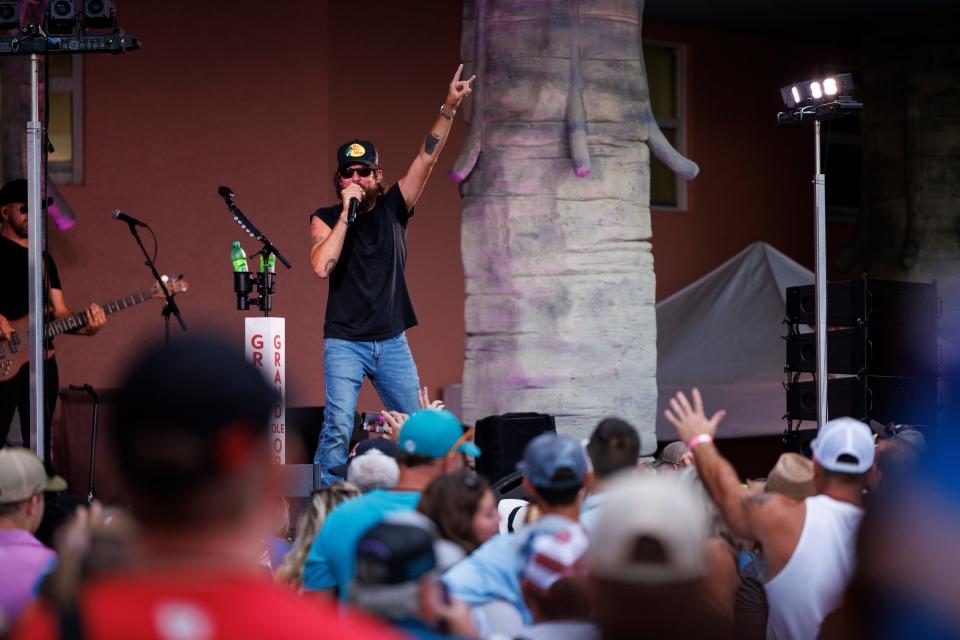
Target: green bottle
[
  {"x": 271, "y": 263},
  {"x": 238, "y": 257}
]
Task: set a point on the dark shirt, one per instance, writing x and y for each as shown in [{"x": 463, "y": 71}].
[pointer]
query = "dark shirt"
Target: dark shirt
[
  {"x": 15, "y": 301},
  {"x": 368, "y": 297}
]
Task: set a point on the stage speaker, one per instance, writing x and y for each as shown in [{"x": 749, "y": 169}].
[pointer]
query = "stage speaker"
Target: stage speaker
[
  {"x": 883, "y": 351},
  {"x": 882, "y": 332},
  {"x": 910, "y": 401},
  {"x": 502, "y": 439},
  {"x": 876, "y": 303}
]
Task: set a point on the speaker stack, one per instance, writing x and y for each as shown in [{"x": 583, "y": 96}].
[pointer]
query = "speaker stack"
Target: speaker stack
[{"x": 882, "y": 354}]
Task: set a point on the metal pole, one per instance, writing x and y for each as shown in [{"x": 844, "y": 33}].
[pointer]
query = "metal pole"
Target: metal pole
[
  {"x": 819, "y": 188},
  {"x": 35, "y": 261}
]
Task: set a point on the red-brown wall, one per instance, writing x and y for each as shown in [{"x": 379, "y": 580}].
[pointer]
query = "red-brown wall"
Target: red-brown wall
[{"x": 229, "y": 93}]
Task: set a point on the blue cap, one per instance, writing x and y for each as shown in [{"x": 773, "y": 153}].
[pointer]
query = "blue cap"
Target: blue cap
[
  {"x": 433, "y": 433},
  {"x": 554, "y": 462}
]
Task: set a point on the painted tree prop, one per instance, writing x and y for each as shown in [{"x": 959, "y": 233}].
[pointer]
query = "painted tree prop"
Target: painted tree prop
[{"x": 555, "y": 177}]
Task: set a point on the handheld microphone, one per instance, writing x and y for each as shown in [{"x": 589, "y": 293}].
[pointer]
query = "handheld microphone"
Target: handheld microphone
[
  {"x": 225, "y": 192},
  {"x": 133, "y": 222},
  {"x": 352, "y": 210}
]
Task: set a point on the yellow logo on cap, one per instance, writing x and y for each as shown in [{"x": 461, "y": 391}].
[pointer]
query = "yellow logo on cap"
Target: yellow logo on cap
[{"x": 355, "y": 151}]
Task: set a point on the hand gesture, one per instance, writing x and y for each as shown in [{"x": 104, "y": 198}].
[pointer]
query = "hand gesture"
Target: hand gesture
[
  {"x": 423, "y": 397},
  {"x": 691, "y": 421},
  {"x": 459, "y": 89},
  {"x": 96, "y": 318}
]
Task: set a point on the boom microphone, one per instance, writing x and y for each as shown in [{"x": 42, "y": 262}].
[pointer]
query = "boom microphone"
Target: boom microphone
[{"x": 120, "y": 215}]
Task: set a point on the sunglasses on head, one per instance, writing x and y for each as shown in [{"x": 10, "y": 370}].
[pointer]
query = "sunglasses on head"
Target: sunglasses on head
[{"x": 363, "y": 172}]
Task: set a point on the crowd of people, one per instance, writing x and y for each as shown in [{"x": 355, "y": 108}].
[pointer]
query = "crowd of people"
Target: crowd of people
[{"x": 412, "y": 543}]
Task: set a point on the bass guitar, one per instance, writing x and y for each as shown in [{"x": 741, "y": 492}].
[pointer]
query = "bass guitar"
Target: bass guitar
[{"x": 14, "y": 353}]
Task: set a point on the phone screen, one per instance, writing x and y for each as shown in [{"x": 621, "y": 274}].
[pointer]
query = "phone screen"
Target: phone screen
[{"x": 374, "y": 422}]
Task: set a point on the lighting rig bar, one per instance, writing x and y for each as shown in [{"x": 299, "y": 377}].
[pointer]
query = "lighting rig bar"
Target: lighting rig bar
[
  {"x": 66, "y": 27},
  {"x": 34, "y": 41}
]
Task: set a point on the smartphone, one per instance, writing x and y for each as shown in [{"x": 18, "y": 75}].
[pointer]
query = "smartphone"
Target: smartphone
[{"x": 373, "y": 422}]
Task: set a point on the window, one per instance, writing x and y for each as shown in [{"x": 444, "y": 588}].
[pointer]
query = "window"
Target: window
[
  {"x": 65, "y": 122},
  {"x": 665, "y": 79}
]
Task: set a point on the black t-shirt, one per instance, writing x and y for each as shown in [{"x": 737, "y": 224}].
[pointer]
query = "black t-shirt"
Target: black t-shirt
[
  {"x": 368, "y": 297},
  {"x": 15, "y": 301}
]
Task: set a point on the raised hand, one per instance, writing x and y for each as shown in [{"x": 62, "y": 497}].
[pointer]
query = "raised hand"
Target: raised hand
[
  {"x": 423, "y": 397},
  {"x": 459, "y": 89},
  {"x": 691, "y": 421}
]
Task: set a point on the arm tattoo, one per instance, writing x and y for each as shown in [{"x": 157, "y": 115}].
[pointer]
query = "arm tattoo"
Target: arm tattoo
[
  {"x": 331, "y": 263},
  {"x": 430, "y": 144},
  {"x": 756, "y": 499}
]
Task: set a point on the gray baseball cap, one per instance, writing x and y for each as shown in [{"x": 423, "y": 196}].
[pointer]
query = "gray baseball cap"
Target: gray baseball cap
[{"x": 554, "y": 462}]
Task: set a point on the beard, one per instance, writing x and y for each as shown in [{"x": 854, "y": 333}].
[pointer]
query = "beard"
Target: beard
[{"x": 369, "y": 197}]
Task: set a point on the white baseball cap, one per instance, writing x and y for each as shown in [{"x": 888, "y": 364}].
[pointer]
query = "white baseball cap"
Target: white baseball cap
[{"x": 844, "y": 445}]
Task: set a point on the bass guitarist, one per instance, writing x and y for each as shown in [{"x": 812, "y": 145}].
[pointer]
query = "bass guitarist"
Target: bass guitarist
[{"x": 14, "y": 304}]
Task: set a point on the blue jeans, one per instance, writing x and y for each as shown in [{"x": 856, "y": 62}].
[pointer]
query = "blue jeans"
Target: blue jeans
[{"x": 390, "y": 367}]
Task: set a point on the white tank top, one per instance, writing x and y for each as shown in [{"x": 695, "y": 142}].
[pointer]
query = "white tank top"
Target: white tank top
[{"x": 811, "y": 584}]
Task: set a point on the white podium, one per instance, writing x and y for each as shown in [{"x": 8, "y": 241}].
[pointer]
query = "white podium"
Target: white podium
[{"x": 265, "y": 346}]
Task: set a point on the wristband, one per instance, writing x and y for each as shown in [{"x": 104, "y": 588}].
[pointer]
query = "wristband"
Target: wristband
[
  {"x": 448, "y": 116},
  {"x": 703, "y": 438}
]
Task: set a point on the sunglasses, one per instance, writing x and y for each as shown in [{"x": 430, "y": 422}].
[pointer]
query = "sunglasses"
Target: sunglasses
[
  {"x": 347, "y": 172},
  {"x": 24, "y": 209}
]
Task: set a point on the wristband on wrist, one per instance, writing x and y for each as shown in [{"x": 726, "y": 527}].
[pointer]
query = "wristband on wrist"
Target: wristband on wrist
[
  {"x": 448, "y": 116},
  {"x": 703, "y": 438}
]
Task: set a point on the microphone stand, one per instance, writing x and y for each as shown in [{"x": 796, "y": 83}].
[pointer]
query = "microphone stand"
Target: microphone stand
[
  {"x": 243, "y": 281},
  {"x": 227, "y": 194},
  {"x": 170, "y": 306}
]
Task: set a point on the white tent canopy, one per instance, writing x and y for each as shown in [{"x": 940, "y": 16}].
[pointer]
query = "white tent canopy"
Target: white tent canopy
[{"x": 723, "y": 334}]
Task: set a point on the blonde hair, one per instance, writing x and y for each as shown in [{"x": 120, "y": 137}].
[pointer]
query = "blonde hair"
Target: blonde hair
[{"x": 322, "y": 502}]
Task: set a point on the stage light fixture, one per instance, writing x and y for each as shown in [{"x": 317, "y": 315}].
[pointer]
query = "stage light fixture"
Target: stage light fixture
[
  {"x": 818, "y": 91},
  {"x": 98, "y": 14},
  {"x": 9, "y": 15},
  {"x": 62, "y": 16}
]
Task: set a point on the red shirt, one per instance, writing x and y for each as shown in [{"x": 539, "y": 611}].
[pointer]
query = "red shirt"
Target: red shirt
[{"x": 190, "y": 606}]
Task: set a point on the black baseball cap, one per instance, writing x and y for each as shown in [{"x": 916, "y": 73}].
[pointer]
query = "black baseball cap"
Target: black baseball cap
[
  {"x": 385, "y": 446},
  {"x": 357, "y": 152},
  {"x": 16, "y": 191},
  {"x": 393, "y": 553}
]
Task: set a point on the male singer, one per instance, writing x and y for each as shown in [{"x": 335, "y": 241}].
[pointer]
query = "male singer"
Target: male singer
[{"x": 360, "y": 245}]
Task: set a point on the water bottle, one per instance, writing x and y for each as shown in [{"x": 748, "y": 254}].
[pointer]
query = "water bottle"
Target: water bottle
[
  {"x": 270, "y": 266},
  {"x": 238, "y": 257}
]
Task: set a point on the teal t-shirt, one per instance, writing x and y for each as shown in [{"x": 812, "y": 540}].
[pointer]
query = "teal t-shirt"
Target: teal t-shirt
[{"x": 332, "y": 558}]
